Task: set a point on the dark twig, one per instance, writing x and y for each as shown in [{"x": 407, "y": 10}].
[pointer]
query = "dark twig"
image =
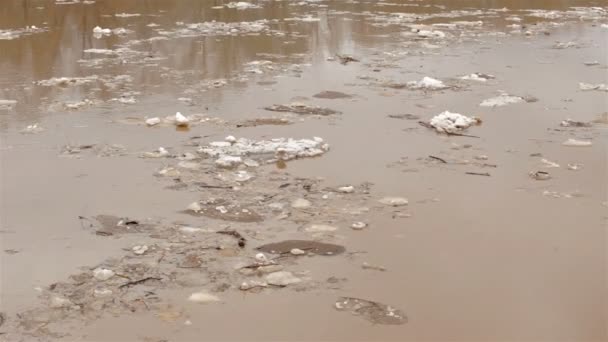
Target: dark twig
[
  {"x": 478, "y": 174},
  {"x": 236, "y": 234},
  {"x": 439, "y": 159},
  {"x": 137, "y": 282}
]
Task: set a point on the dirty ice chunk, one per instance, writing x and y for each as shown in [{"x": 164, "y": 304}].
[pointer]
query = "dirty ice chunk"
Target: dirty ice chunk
[
  {"x": 588, "y": 86},
  {"x": 427, "y": 83},
  {"x": 282, "y": 278},
  {"x": 297, "y": 251},
  {"x": 374, "y": 312},
  {"x": 358, "y": 225},
  {"x": 346, "y": 189},
  {"x": 231, "y": 139},
  {"x": 194, "y": 206},
  {"x": 300, "y": 203},
  {"x": 140, "y": 250},
  {"x": 250, "y": 284},
  {"x": 228, "y": 161},
  {"x": 448, "y": 122},
  {"x": 429, "y": 33},
  {"x": 320, "y": 228},
  {"x": 577, "y": 143},
  {"x": 181, "y": 120},
  {"x": 60, "y": 302},
  {"x": 152, "y": 121},
  {"x": 102, "y": 274},
  {"x": 394, "y": 201},
  {"x": 285, "y": 149},
  {"x": 203, "y": 297},
  {"x": 501, "y": 100}
]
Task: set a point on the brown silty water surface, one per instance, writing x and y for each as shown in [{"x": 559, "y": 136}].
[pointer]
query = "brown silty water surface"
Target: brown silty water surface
[{"x": 486, "y": 249}]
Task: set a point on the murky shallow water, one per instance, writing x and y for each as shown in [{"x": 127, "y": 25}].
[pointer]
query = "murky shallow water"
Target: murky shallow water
[{"x": 503, "y": 257}]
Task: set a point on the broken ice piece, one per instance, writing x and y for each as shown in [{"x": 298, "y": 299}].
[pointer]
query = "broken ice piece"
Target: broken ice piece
[
  {"x": 394, "y": 201},
  {"x": 574, "y": 167},
  {"x": 540, "y": 175},
  {"x": 300, "y": 203},
  {"x": 588, "y": 86},
  {"x": 448, "y": 122},
  {"x": 577, "y": 143},
  {"x": 228, "y": 162},
  {"x": 427, "y": 83},
  {"x": 320, "y": 228},
  {"x": 152, "y": 121},
  {"x": 501, "y": 100},
  {"x": 250, "y": 284},
  {"x": 479, "y": 77},
  {"x": 181, "y": 120},
  {"x": 282, "y": 278},
  {"x": 140, "y": 250},
  {"x": 358, "y": 225},
  {"x": 549, "y": 163},
  {"x": 194, "y": 206},
  {"x": 374, "y": 312},
  {"x": 203, "y": 297},
  {"x": 297, "y": 251},
  {"x": 102, "y": 274},
  {"x": 346, "y": 189}
]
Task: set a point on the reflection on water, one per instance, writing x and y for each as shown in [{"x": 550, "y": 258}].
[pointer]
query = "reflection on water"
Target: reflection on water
[{"x": 161, "y": 63}]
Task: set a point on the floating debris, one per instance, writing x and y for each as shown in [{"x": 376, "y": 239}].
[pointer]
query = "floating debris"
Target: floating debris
[
  {"x": 374, "y": 312},
  {"x": 572, "y": 123},
  {"x": 331, "y": 95},
  {"x": 224, "y": 210},
  {"x": 301, "y": 108},
  {"x": 312, "y": 247},
  {"x": 540, "y": 175}
]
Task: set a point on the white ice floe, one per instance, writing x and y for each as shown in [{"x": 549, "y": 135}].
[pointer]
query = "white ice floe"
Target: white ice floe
[
  {"x": 479, "y": 77},
  {"x": 203, "y": 297},
  {"x": 448, "y": 122},
  {"x": 429, "y": 33},
  {"x": 394, "y": 201},
  {"x": 282, "y": 278},
  {"x": 281, "y": 148},
  {"x": 102, "y": 274},
  {"x": 127, "y": 15},
  {"x": 181, "y": 120},
  {"x": 228, "y": 161},
  {"x": 16, "y": 33},
  {"x": 67, "y": 81},
  {"x": 577, "y": 143},
  {"x": 501, "y": 100},
  {"x": 152, "y": 121},
  {"x": 588, "y": 86},
  {"x": 241, "y": 5},
  {"x": 427, "y": 83}
]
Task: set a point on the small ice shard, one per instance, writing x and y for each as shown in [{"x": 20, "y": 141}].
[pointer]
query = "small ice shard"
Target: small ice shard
[
  {"x": 102, "y": 274},
  {"x": 320, "y": 228},
  {"x": 203, "y": 297},
  {"x": 282, "y": 278},
  {"x": 588, "y": 86},
  {"x": 297, "y": 251},
  {"x": 358, "y": 225},
  {"x": 261, "y": 257},
  {"x": 549, "y": 163},
  {"x": 181, "y": 120},
  {"x": 394, "y": 201},
  {"x": 429, "y": 33},
  {"x": 577, "y": 143},
  {"x": 100, "y": 30},
  {"x": 448, "y": 122}
]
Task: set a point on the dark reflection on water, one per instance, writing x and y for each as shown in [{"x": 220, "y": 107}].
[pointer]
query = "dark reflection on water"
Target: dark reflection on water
[{"x": 56, "y": 53}]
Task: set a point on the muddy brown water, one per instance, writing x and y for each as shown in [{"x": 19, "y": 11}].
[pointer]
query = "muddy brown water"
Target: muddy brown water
[{"x": 502, "y": 257}]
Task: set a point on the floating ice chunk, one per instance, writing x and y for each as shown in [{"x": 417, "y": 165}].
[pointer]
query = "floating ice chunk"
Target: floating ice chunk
[
  {"x": 241, "y": 5},
  {"x": 152, "y": 121},
  {"x": 297, "y": 251},
  {"x": 358, "y": 225},
  {"x": 282, "y": 278},
  {"x": 103, "y": 274},
  {"x": 67, "y": 81},
  {"x": 429, "y": 33},
  {"x": 228, "y": 161},
  {"x": 448, "y": 122},
  {"x": 346, "y": 189},
  {"x": 181, "y": 120},
  {"x": 427, "y": 83},
  {"x": 394, "y": 201},
  {"x": 285, "y": 149},
  {"x": 32, "y": 129},
  {"x": 300, "y": 203},
  {"x": 588, "y": 86},
  {"x": 250, "y": 284},
  {"x": 501, "y": 100},
  {"x": 60, "y": 302},
  {"x": 577, "y": 143},
  {"x": 231, "y": 139},
  {"x": 101, "y": 51},
  {"x": 203, "y": 297},
  {"x": 100, "y": 30},
  {"x": 479, "y": 77},
  {"x": 194, "y": 206},
  {"x": 127, "y": 15},
  {"x": 7, "y": 104},
  {"x": 549, "y": 163},
  {"x": 140, "y": 250},
  {"x": 100, "y": 293},
  {"x": 320, "y": 228}
]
